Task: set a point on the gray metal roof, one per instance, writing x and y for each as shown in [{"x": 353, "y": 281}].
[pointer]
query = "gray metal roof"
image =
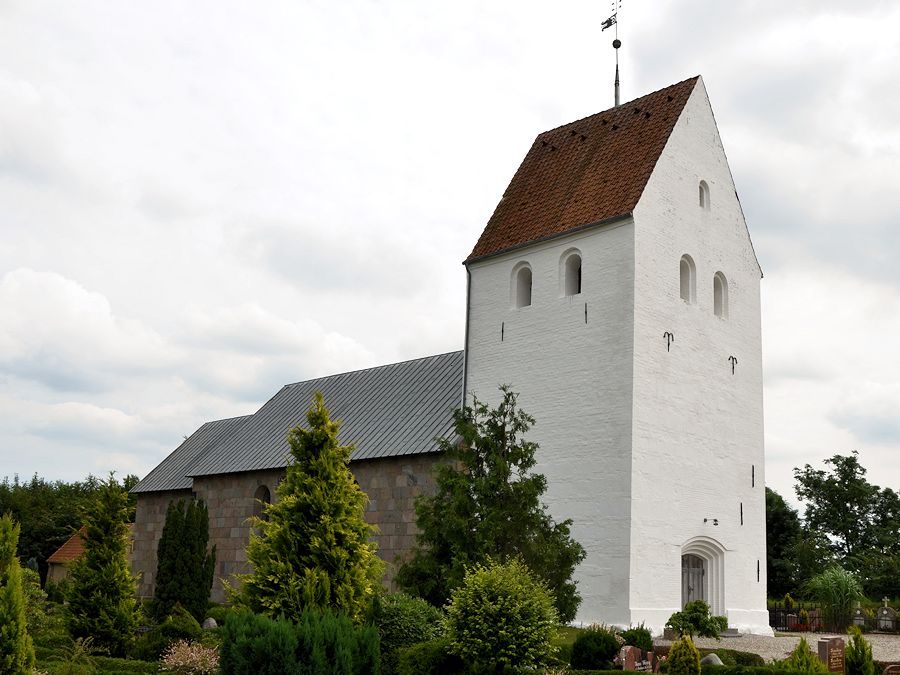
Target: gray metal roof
[
  {"x": 392, "y": 410},
  {"x": 172, "y": 472}
]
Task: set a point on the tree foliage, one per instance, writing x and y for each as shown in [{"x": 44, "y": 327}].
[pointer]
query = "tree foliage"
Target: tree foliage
[
  {"x": 313, "y": 549},
  {"x": 48, "y": 513},
  {"x": 101, "y": 601},
  {"x": 861, "y": 520},
  {"x": 487, "y": 504},
  {"x": 783, "y": 531},
  {"x": 185, "y": 567},
  {"x": 16, "y": 648}
]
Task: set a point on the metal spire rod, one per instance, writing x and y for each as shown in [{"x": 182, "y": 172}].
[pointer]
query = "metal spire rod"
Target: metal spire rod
[{"x": 609, "y": 23}]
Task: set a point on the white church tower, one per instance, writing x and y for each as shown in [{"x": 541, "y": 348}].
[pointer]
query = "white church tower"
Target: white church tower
[{"x": 616, "y": 289}]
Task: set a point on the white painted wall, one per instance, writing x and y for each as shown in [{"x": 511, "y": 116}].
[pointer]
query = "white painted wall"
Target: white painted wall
[
  {"x": 638, "y": 444},
  {"x": 575, "y": 379},
  {"x": 698, "y": 428}
]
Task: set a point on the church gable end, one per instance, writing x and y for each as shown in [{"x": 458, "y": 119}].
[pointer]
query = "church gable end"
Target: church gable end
[{"x": 585, "y": 172}]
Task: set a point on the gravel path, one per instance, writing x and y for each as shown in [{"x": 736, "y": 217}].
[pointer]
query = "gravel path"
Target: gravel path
[{"x": 884, "y": 647}]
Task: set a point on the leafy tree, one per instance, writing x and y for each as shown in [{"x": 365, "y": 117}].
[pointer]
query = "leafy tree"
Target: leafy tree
[
  {"x": 48, "y": 512},
  {"x": 101, "y": 596},
  {"x": 313, "y": 550},
  {"x": 16, "y": 648},
  {"x": 696, "y": 619},
  {"x": 783, "y": 531},
  {"x": 487, "y": 504},
  {"x": 501, "y": 618},
  {"x": 185, "y": 568},
  {"x": 839, "y": 503}
]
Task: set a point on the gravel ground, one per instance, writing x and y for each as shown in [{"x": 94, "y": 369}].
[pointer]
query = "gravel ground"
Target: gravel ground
[{"x": 884, "y": 647}]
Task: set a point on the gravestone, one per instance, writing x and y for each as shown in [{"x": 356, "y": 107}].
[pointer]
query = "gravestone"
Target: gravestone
[
  {"x": 633, "y": 659},
  {"x": 831, "y": 653},
  {"x": 887, "y": 617},
  {"x": 859, "y": 618}
]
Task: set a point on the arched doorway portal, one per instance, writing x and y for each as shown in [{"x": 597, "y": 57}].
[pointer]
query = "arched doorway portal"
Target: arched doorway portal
[{"x": 703, "y": 573}]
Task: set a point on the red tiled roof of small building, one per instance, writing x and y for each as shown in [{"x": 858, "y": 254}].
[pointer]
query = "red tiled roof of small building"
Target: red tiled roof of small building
[
  {"x": 584, "y": 172},
  {"x": 70, "y": 550},
  {"x": 73, "y": 547}
]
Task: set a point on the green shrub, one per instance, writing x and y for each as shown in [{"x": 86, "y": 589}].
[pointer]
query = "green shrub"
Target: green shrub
[
  {"x": 696, "y": 619},
  {"x": 638, "y": 637},
  {"x": 179, "y": 625},
  {"x": 256, "y": 644},
  {"x": 684, "y": 658},
  {"x": 802, "y": 660},
  {"x": 56, "y": 590},
  {"x": 429, "y": 658},
  {"x": 732, "y": 657},
  {"x": 838, "y": 591},
  {"x": 858, "y": 654},
  {"x": 403, "y": 621},
  {"x": 501, "y": 617},
  {"x": 219, "y": 612},
  {"x": 595, "y": 648},
  {"x": 318, "y": 644}
]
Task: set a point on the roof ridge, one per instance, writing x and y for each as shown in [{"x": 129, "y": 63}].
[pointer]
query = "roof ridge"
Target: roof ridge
[
  {"x": 621, "y": 106},
  {"x": 362, "y": 370}
]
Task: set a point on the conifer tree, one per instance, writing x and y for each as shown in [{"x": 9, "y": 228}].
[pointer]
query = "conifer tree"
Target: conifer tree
[
  {"x": 16, "y": 648},
  {"x": 487, "y": 504},
  {"x": 184, "y": 567},
  {"x": 312, "y": 550},
  {"x": 101, "y": 595}
]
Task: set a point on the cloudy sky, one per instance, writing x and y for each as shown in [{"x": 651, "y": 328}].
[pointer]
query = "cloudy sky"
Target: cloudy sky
[{"x": 200, "y": 202}]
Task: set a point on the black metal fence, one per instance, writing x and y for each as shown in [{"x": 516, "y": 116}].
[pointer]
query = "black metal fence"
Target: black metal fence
[{"x": 801, "y": 617}]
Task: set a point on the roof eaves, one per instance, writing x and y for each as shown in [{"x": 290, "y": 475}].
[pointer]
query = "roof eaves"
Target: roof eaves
[{"x": 567, "y": 233}]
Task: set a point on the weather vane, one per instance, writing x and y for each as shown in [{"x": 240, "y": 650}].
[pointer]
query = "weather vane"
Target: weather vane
[{"x": 613, "y": 20}]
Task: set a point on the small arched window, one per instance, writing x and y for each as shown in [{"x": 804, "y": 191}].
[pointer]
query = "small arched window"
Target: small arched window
[
  {"x": 522, "y": 286},
  {"x": 688, "y": 279},
  {"x": 720, "y": 296},
  {"x": 572, "y": 274},
  {"x": 261, "y": 497},
  {"x": 704, "y": 195}
]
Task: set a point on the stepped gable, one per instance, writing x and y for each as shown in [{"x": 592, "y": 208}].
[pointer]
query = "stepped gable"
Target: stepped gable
[{"x": 585, "y": 172}]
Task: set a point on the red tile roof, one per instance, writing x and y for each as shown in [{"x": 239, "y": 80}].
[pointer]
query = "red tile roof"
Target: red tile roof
[
  {"x": 584, "y": 172},
  {"x": 73, "y": 547},
  {"x": 69, "y": 551}
]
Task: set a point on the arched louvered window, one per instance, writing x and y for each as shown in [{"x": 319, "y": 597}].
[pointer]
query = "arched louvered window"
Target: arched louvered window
[
  {"x": 720, "y": 296},
  {"x": 572, "y": 274},
  {"x": 687, "y": 279}
]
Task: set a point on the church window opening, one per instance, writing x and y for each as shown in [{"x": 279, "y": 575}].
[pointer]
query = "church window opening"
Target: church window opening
[
  {"x": 572, "y": 274},
  {"x": 261, "y": 497},
  {"x": 720, "y": 296},
  {"x": 523, "y": 286},
  {"x": 688, "y": 274},
  {"x": 704, "y": 195}
]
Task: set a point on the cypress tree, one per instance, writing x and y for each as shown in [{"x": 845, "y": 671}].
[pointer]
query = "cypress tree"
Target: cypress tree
[
  {"x": 184, "y": 568},
  {"x": 16, "y": 649},
  {"x": 313, "y": 549},
  {"x": 101, "y": 594},
  {"x": 488, "y": 505}
]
